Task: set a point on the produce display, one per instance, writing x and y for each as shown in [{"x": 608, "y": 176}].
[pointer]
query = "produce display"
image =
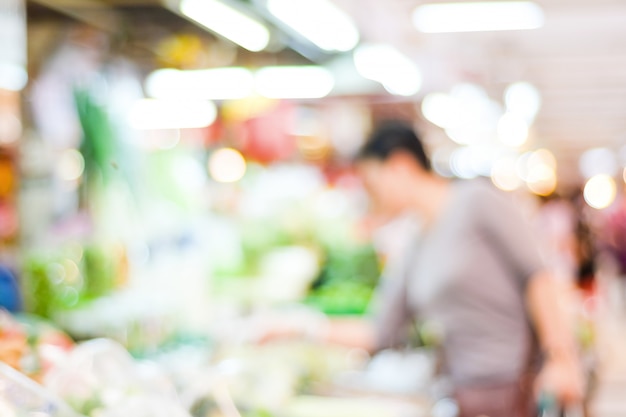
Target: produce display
[{"x": 99, "y": 378}]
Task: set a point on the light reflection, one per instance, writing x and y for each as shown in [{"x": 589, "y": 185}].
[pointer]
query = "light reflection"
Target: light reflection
[
  {"x": 600, "y": 191},
  {"x": 227, "y": 165}
]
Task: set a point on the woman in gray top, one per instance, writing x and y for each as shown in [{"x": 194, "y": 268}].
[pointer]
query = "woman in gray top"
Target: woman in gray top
[{"x": 475, "y": 272}]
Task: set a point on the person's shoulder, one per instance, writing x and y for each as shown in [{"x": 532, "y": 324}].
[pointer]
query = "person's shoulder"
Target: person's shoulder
[{"x": 477, "y": 189}]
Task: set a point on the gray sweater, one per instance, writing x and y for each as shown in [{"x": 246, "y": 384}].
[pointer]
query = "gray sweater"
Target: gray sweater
[{"x": 466, "y": 274}]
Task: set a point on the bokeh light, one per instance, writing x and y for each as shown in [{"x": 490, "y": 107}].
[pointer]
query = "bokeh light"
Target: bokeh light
[
  {"x": 512, "y": 129},
  {"x": 600, "y": 191},
  {"x": 462, "y": 163},
  {"x": 542, "y": 180},
  {"x": 598, "y": 161},
  {"x": 155, "y": 114},
  {"x": 12, "y": 77},
  {"x": 439, "y": 109},
  {"x": 227, "y": 165},
  {"x": 71, "y": 165},
  {"x": 504, "y": 174},
  {"x": 388, "y": 66},
  {"x": 523, "y": 99},
  {"x": 294, "y": 82}
]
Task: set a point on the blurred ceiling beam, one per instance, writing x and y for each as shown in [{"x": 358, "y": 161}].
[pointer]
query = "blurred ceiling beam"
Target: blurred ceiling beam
[{"x": 96, "y": 13}]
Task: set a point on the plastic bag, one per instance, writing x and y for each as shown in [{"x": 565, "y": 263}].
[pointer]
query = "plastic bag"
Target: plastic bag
[{"x": 21, "y": 396}]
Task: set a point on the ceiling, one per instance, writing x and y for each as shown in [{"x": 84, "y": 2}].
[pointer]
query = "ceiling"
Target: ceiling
[{"x": 577, "y": 60}]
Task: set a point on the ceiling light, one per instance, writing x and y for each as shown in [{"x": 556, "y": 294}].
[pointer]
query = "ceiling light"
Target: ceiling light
[
  {"x": 213, "y": 84},
  {"x": 523, "y": 98},
  {"x": 228, "y": 22},
  {"x": 320, "y": 21},
  {"x": 512, "y": 129},
  {"x": 294, "y": 82},
  {"x": 385, "y": 64},
  {"x": 478, "y": 16},
  {"x": 440, "y": 109},
  {"x": 600, "y": 191},
  {"x": 153, "y": 114}
]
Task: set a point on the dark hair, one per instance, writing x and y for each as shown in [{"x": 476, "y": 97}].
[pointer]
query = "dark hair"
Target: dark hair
[{"x": 393, "y": 136}]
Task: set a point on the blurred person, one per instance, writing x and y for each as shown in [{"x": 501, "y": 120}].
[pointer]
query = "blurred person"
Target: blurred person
[
  {"x": 612, "y": 240},
  {"x": 474, "y": 272}
]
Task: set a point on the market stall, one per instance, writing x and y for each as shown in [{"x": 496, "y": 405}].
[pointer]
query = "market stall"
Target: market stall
[{"x": 173, "y": 192}]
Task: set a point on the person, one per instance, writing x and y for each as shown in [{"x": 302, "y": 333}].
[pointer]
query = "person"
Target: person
[{"x": 474, "y": 272}]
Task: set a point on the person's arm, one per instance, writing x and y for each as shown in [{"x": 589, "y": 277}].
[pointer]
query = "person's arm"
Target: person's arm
[
  {"x": 561, "y": 374},
  {"x": 545, "y": 296},
  {"x": 357, "y": 333}
]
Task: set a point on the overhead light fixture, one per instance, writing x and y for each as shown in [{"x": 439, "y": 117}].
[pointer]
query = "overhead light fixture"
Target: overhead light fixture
[
  {"x": 512, "y": 130},
  {"x": 478, "y": 16},
  {"x": 229, "y": 83},
  {"x": 153, "y": 114},
  {"x": 228, "y": 22},
  {"x": 320, "y": 21},
  {"x": 385, "y": 64},
  {"x": 294, "y": 82},
  {"x": 524, "y": 99}
]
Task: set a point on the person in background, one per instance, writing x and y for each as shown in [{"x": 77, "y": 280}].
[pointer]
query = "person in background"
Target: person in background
[{"x": 473, "y": 272}]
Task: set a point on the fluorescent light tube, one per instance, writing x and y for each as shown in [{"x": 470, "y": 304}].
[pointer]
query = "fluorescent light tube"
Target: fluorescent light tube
[
  {"x": 152, "y": 114},
  {"x": 294, "y": 82},
  {"x": 228, "y": 22},
  {"x": 388, "y": 66},
  {"x": 320, "y": 21},
  {"x": 228, "y": 83},
  {"x": 478, "y": 17}
]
